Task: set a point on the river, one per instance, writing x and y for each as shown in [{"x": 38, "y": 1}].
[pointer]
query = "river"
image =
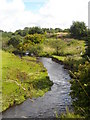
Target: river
[{"x": 53, "y": 102}]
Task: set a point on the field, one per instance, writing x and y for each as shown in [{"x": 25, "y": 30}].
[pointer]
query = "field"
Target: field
[
  {"x": 22, "y": 78},
  {"x": 66, "y": 47}
]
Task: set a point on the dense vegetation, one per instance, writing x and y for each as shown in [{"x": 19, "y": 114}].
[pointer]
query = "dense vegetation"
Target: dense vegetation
[{"x": 70, "y": 46}]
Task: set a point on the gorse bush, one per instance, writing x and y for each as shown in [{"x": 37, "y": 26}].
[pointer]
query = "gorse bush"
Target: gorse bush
[{"x": 35, "y": 38}]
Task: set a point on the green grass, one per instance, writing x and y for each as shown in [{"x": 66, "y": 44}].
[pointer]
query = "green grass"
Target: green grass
[
  {"x": 71, "y": 62},
  {"x": 61, "y": 58},
  {"x": 22, "y": 78},
  {"x": 69, "y": 47},
  {"x": 69, "y": 115},
  {"x": 74, "y": 47}
]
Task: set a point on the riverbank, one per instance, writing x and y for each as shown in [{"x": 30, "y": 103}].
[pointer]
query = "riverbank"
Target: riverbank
[
  {"x": 53, "y": 102},
  {"x": 69, "y": 62},
  {"x": 79, "y": 69},
  {"x": 22, "y": 78}
]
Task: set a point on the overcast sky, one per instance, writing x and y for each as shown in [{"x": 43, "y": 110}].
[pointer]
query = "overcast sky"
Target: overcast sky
[{"x": 17, "y": 14}]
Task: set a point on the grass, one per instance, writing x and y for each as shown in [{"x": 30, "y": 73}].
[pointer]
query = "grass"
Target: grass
[
  {"x": 22, "y": 78},
  {"x": 70, "y": 115},
  {"x": 61, "y": 58},
  {"x": 69, "y": 47},
  {"x": 74, "y": 47},
  {"x": 71, "y": 62},
  {"x": 71, "y": 54}
]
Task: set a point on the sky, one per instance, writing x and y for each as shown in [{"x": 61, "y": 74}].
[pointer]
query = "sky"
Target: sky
[{"x": 17, "y": 14}]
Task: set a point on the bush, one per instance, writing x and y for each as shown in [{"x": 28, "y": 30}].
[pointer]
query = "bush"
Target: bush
[
  {"x": 35, "y": 38},
  {"x": 81, "y": 90}
]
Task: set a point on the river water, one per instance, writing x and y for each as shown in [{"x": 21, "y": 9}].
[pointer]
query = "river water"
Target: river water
[{"x": 53, "y": 102}]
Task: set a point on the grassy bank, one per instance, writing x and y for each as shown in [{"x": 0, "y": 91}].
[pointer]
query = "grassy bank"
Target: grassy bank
[
  {"x": 71, "y": 53},
  {"x": 22, "y": 78},
  {"x": 70, "y": 62}
]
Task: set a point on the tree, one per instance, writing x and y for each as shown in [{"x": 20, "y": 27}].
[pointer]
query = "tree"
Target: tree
[
  {"x": 78, "y": 30},
  {"x": 35, "y": 38},
  {"x": 15, "y": 40},
  {"x": 66, "y": 30},
  {"x": 58, "y": 45},
  {"x": 58, "y": 30},
  {"x": 35, "y": 30},
  {"x": 35, "y": 49}
]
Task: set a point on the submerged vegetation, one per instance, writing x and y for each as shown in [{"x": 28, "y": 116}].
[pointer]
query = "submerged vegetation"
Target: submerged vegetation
[{"x": 26, "y": 77}]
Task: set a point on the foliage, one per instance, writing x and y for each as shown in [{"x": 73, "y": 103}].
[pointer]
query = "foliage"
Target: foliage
[
  {"x": 27, "y": 30},
  {"x": 78, "y": 30},
  {"x": 58, "y": 30},
  {"x": 15, "y": 40},
  {"x": 65, "y": 47},
  {"x": 20, "y": 32},
  {"x": 6, "y": 34},
  {"x": 66, "y": 30},
  {"x": 73, "y": 62},
  {"x": 35, "y": 30},
  {"x": 35, "y": 38},
  {"x": 70, "y": 62},
  {"x": 80, "y": 90},
  {"x": 74, "y": 47},
  {"x": 5, "y": 37},
  {"x": 58, "y": 45},
  {"x": 35, "y": 49},
  {"x": 25, "y": 46},
  {"x": 29, "y": 43},
  {"x": 70, "y": 115}
]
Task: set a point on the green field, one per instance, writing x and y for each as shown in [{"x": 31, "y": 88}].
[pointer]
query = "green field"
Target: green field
[
  {"x": 66, "y": 47},
  {"x": 22, "y": 78}
]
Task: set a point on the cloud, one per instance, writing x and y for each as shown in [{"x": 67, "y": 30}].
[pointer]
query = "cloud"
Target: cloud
[
  {"x": 13, "y": 16},
  {"x": 54, "y": 13},
  {"x": 63, "y": 12}
]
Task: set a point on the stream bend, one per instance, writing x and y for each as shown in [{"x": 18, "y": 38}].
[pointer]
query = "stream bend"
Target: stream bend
[{"x": 54, "y": 101}]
